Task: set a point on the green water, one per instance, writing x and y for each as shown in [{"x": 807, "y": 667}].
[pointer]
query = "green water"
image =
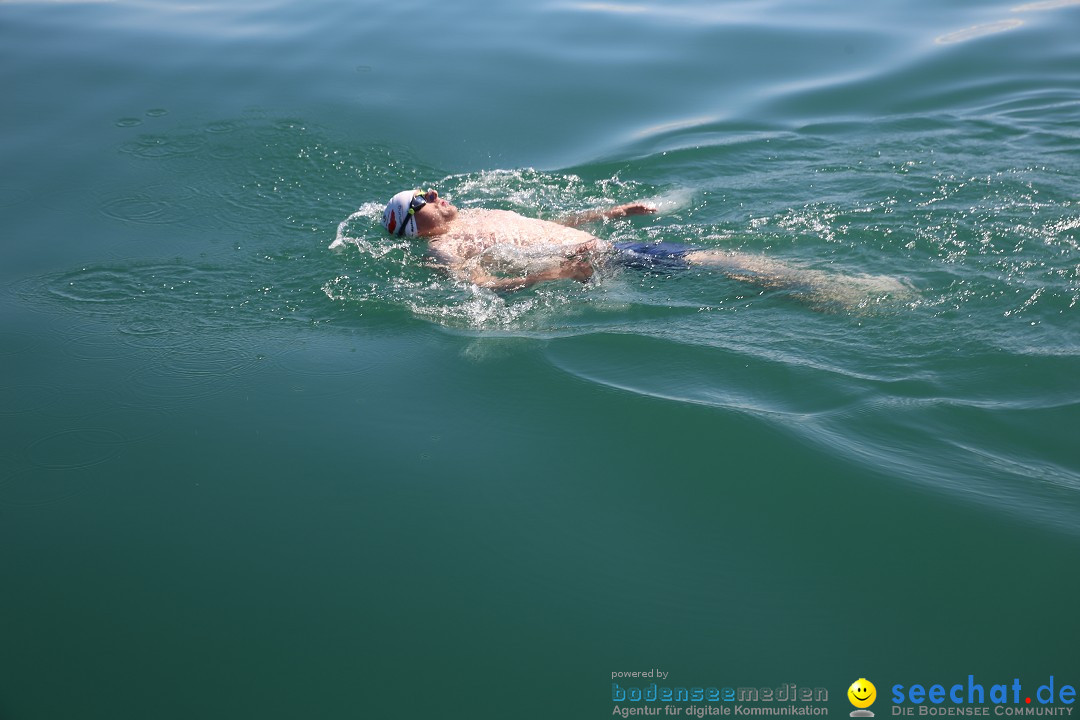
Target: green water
[{"x": 243, "y": 475}]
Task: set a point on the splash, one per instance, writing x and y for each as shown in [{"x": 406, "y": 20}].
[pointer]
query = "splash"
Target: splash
[
  {"x": 368, "y": 213},
  {"x": 385, "y": 272}
]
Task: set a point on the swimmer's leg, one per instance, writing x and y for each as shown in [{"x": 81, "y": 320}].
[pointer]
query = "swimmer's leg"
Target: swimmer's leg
[{"x": 816, "y": 287}]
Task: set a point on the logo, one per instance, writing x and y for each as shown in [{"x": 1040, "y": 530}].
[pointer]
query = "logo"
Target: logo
[
  {"x": 974, "y": 698},
  {"x": 862, "y": 695}
]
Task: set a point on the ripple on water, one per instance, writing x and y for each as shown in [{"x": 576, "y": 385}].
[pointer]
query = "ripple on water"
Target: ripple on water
[
  {"x": 209, "y": 358},
  {"x": 154, "y": 384},
  {"x": 290, "y": 125},
  {"x": 171, "y": 307},
  {"x": 103, "y": 345},
  {"x": 163, "y": 147},
  {"x": 103, "y": 289},
  {"x": 127, "y": 122},
  {"x": 26, "y": 399},
  {"x": 11, "y": 195},
  {"x": 150, "y": 334},
  {"x": 34, "y": 486},
  {"x": 146, "y": 208},
  {"x": 17, "y": 342},
  {"x": 946, "y": 446},
  {"x": 218, "y": 127},
  {"x": 225, "y": 151},
  {"x": 314, "y": 359},
  {"x": 161, "y": 292},
  {"x": 224, "y": 142},
  {"x": 199, "y": 368},
  {"x": 719, "y": 377},
  {"x": 59, "y": 465},
  {"x": 236, "y": 205},
  {"x": 74, "y": 449}
]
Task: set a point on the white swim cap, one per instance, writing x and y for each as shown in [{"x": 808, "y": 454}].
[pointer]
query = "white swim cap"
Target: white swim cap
[{"x": 397, "y": 212}]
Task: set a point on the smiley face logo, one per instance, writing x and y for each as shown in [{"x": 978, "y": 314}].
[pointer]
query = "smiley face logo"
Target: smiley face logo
[{"x": 862, "y": 693}]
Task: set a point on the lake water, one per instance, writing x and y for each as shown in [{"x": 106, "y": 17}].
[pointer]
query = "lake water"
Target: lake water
[{"x": 243, "y": 475}]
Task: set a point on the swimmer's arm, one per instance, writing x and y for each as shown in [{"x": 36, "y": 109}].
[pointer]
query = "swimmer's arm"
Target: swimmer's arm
[
  {"x": 615, "y": 212},
  {"x": 572, "y": 269},
  {"x": 576, "y": 267}
]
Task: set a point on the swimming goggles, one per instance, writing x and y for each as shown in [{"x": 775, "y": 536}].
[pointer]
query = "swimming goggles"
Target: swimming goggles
[{"x": 417, "y": 202}]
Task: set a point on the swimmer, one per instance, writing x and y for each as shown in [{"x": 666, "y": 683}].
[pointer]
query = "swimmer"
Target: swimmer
[{"x": 504, "y": 251}]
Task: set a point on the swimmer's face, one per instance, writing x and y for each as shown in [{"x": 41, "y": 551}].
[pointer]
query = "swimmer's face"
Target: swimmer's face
[
  {"x": 435, "y": 217},
  {"x": 862, "y": 693}
]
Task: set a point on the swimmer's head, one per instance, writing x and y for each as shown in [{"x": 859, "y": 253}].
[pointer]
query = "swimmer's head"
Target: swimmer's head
[
  {"x": 414, "y": 212},
  {"x": 399, "y": 217}
]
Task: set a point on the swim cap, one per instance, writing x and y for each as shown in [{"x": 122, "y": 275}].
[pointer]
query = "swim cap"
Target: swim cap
[{"x": 397, "y": 212}]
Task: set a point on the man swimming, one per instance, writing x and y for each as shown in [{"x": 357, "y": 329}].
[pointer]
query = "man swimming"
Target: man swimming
[{"x": 504, "y": 251}]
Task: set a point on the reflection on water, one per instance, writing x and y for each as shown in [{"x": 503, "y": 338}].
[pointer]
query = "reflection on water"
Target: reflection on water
[
  {"x": 1047, "y": 5},
  {"x": 977, "y": 31},
  {"x": 619, "y": 8}
]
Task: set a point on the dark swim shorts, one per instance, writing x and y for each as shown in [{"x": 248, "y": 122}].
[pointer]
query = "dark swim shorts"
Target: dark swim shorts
[{"x": 655, "y": 256}]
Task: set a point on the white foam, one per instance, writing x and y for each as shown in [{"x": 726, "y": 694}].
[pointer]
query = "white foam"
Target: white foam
[
  {"x": 671, "y": 201},
  {"x": 370, "y": 211}
]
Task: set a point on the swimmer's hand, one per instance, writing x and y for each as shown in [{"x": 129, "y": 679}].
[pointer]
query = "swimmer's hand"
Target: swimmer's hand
[
  {"x": 575, "y": 268},
  {"x": 630, "y": 209}
]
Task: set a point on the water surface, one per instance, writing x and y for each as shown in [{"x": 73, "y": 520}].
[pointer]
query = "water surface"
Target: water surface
[{"x": 245, "y": 475}]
